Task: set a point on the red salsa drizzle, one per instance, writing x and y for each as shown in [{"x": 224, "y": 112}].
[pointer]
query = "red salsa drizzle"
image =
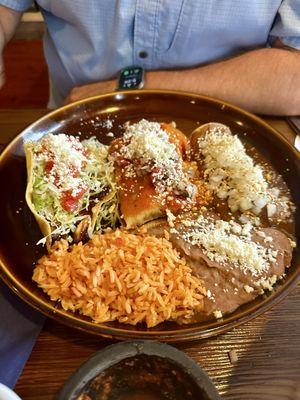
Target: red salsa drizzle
[
  {"x": 68, "y": 201},
  {"x": 48, "y": 166}
]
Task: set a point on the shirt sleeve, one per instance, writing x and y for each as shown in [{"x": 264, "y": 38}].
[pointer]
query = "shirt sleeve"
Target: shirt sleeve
[
  {"x": 18, "y": 5},
  {"x": 287, "y": 24}
]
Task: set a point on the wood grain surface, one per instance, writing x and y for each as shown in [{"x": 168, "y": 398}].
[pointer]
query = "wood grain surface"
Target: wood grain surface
[{"x": 268, "y": 348}]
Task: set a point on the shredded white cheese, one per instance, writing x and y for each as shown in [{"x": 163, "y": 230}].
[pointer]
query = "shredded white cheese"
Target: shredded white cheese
[
  {"x": 67, "y": 157},
  {"x": 228, "y": 242},
  {"x": 248, "y": 289},
  {"x": 218, "y": 314},
  {"x": 231, "y": 172},
  {"x": 149, "y": 142},
  {"x": 148, "y": 149},
  {"x": 266, "y": 283}
]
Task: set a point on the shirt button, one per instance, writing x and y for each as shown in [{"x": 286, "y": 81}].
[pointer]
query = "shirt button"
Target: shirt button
[{"x": 143, "y": 54}]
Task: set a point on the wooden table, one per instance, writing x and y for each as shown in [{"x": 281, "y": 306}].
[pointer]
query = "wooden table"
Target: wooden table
[{"x": 268, "y": 348}]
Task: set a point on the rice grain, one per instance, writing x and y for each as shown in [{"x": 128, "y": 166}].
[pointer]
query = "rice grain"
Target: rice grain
[{"x": 121, "y": 276}]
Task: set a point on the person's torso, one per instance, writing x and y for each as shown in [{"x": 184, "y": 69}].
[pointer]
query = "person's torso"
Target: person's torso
[{"x": 92, "y": 40}]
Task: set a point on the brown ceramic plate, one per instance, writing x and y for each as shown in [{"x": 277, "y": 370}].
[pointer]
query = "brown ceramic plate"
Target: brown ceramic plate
[{"x": 19, "y": 231}]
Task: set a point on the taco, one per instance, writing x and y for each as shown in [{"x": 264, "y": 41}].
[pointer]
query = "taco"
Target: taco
[{"x": 70, "y": 187}]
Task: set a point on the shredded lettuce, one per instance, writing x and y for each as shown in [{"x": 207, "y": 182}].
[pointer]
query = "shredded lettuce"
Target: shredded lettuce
[{"x": 97, "y": 175}]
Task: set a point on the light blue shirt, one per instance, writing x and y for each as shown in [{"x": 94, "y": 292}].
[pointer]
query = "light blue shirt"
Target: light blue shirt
[{"x": 91, "y": 40}]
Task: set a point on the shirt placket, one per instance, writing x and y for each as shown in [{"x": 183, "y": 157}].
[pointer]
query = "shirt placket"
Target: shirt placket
[{"x": 144, "y": 32}]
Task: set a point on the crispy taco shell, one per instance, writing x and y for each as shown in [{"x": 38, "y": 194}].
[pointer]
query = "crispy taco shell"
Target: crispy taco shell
[{"x": 42, "y": 222}]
